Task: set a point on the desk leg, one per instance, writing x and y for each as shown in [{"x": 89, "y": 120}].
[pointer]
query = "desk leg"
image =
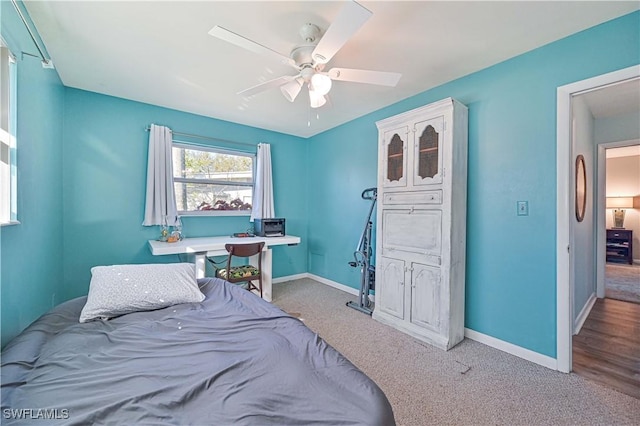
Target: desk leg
[
  {"x": 201, "y": 264},
  {"x": 266, "y": 273}
]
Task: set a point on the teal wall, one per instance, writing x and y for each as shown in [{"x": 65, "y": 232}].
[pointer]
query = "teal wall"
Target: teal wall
[
  {"x": 31, "y": 265},
  {"x": 511, "y": 267},
  {"x": 104, "y": 175}
]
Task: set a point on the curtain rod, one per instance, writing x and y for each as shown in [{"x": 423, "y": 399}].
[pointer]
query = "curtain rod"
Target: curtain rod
[
  {"x": 189, "y": 135},
  {"x": 46, "y": 63}
]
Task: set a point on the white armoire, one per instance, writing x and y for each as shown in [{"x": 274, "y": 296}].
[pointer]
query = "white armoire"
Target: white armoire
[{"x": 421, "y": 231}]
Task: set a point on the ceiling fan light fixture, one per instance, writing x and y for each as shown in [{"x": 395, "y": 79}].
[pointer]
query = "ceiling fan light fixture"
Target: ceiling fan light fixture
[
  {"x": 316, "y": 99},
  {"x": 291, "y": 89},
  {"x": 321, "y": 83}
]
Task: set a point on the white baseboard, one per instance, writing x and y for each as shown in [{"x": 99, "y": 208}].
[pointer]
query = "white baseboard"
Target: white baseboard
[
  {"x": 318, "y": 278},
  {"x": 290, "y": 278},
  {"x": 510, "y": 348},
  {"x": 333, "y": 284},
  {"x": 584, "y": 313},
  {"x": 337, "y": 285}
]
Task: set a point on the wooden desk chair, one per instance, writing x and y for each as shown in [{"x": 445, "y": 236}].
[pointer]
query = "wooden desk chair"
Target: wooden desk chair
[{"x": 243, "y": 273}]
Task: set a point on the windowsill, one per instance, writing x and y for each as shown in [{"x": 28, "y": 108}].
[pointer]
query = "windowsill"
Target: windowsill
[
  {"x": 216, "y": 213},
  {"x": 10, "y": 223}
]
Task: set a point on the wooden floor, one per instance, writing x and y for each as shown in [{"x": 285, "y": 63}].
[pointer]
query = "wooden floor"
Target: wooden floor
[{"x": 607, "y": 349}]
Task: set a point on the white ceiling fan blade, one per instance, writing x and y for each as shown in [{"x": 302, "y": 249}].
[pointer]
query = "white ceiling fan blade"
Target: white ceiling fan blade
[
  {"x": 270, "y": 84},
  {"x": 348, "y": 22},
  {"x": 365, "y": 76},
  {"x": 233, "y": 38}
]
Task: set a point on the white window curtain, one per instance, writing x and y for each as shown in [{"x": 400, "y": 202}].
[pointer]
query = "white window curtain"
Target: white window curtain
[
  {"x": 263, "y": 186},
  {"x": 160, "y": 201}
]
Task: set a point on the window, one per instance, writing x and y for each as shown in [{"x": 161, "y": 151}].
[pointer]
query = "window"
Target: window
[
  {"x": 211, "y": 181},
  {"x": 8, "y": 171}
]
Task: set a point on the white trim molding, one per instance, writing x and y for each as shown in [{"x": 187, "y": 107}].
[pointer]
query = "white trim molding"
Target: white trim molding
[
  {"x": 510, "y": 348},
  {"x": 601, "y": 211},
  {"x": 321, "y": 280},
  {"x": 584, "y": 313},
  {"x": 318, "y": 278},
  {"x": 563, "y": 235},
  {"x": 290, "y": 278},
  {"x": 333, "y": 284},
  {"x": 337, "y": 285},
  {"x": 564, "y": 224}
]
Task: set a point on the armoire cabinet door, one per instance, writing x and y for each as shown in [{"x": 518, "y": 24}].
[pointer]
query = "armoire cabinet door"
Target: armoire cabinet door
[
  {"x": 427, "y": 152},
  {"x": 395, "y": 157},
  {"x": 412, "y": 234},
  {"x": 391, "y": 298},
  {"x": 425, "y": 296}
]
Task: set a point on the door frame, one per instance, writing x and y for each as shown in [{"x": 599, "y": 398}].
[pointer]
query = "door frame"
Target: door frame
[
  {"x": 601, "y": 211},
  {"x": 564, "y": 197}
]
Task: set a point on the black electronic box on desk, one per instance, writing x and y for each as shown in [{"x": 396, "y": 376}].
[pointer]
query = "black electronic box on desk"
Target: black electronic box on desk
[{"x": 273, "y": 227}]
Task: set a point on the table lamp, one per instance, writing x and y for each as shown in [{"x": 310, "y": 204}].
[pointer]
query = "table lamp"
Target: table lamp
[{"x": 618, "y": 204}]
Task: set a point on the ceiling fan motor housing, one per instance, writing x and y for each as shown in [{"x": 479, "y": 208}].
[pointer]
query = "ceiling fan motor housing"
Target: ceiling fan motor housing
[
  {"x": 302, "y": 55},
  {"x": 310, "y": 33}
]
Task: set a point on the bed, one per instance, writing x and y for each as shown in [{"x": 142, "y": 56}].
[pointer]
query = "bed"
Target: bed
[{"x": 231, "y": 359}]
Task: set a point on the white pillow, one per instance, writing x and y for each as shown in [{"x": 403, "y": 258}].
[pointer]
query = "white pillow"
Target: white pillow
[{"x": 121, "y": 289}]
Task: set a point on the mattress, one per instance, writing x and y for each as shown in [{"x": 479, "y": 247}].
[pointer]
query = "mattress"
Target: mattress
[{"x": 231, "y": 359}]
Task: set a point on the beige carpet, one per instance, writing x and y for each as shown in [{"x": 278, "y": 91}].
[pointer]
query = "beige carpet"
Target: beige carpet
[
  {"x": 622, "y": 282},
  {"x": 472, "y": 384}
]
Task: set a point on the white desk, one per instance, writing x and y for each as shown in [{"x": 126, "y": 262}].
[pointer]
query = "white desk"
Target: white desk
[{"x": 200, "y": 248}]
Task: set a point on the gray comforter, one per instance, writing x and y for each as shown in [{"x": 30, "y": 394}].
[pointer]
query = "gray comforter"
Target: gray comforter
[{"x": 232, "y": 359}]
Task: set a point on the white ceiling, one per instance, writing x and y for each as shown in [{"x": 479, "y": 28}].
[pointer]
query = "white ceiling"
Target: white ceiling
[
  {"x": 159, "y": 52},
  {"x": 626, "y": 151},
  {"x": 617, "y": 99}
]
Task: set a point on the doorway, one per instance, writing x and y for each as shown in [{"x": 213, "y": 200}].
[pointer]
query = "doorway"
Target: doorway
[
  {"x": 567, "y": 230},
  {"x": 606, "y": 345},
  {"x": 619, "y": 180}
]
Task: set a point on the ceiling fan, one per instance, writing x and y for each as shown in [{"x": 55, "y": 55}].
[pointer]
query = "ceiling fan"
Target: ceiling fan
[{"x": 310, "y": 58}]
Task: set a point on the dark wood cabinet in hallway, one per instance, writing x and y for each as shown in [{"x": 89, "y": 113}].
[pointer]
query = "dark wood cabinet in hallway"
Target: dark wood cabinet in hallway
[{"x": 607, "y": 349}]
